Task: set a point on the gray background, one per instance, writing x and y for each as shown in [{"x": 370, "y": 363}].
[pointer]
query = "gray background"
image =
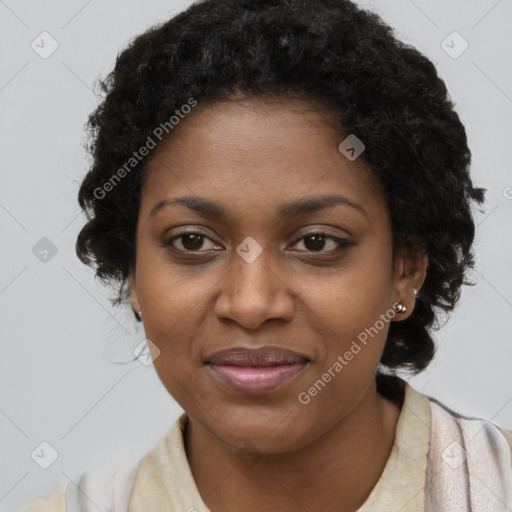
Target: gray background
[{"x": 59, "y": 336}]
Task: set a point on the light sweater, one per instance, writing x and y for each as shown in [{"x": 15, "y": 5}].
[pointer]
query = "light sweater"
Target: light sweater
[{"x": 440, "y": 462}]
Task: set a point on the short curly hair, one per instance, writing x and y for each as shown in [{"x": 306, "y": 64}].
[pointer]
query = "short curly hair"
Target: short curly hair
[{"x": 331, "y": 52}]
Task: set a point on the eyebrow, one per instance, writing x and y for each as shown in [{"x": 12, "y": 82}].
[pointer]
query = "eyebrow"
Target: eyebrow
[{"x": 286, "y": 211}]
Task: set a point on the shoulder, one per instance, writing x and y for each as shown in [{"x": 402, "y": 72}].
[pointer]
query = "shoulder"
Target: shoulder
[
  {"x": 476, "y": 432},
  {"x": 447, "y": 424},
  {"x": 507, "y": 434},
  {"x": 55, "y": 503},
  {"x": 106, "y": 486},
  {"x": 469, "y": 462}
]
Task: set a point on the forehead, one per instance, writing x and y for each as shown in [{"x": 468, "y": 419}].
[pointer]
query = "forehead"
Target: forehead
[{"x": 250, "y": 155}]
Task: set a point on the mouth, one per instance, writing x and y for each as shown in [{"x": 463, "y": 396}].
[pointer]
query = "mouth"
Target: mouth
[{"x": 256, "y": 370}]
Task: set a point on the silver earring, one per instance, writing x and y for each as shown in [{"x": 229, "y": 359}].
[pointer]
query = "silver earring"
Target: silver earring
[
  {"x": 415, "y": 291},
  {"x": 400, "y": 308},
  {"x": 138, "y": 316}
]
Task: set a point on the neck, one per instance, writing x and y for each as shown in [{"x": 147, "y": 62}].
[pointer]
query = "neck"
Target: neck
[{"x": 336, "y": 472}]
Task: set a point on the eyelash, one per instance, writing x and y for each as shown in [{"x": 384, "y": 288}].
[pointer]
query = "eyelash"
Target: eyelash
[{"x": 343, "y": 243}]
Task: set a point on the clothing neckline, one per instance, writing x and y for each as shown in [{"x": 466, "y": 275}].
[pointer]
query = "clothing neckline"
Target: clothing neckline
[{"x": 167, "y": 468}]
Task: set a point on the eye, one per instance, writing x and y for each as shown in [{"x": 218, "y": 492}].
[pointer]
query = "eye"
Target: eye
[
  {"x": 191, "y": 241},
  {"x": 315, "y": 242}
]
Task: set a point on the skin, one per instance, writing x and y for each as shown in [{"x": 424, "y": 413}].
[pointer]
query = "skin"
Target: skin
[{"x": 269, "y": 451}]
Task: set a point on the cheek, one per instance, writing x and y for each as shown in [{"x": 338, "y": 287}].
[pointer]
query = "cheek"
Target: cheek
[
  {"x": 353, "y": 305},
  {"x": 351, "y": 297},
  {"x": 172, "y": 294}
]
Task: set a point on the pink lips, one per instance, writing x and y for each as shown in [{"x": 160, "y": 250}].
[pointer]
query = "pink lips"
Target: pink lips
[{"x": 256, "y": 370}]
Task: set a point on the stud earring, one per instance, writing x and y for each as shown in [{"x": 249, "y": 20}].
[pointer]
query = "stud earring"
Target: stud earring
[
  {"x": 415, "y": 291},
  {"x": 138, "y": 315},
  {"x": 400, "y": 308}
]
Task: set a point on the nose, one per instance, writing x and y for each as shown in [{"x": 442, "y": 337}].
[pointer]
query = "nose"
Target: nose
[{"x": 253, "y": 293}]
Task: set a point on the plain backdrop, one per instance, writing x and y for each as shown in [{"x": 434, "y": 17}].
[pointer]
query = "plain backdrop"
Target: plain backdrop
[{"x": 61, "y": 340}]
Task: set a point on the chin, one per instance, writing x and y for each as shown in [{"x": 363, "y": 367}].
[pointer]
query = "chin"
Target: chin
[{"x": 268, "y": 432}]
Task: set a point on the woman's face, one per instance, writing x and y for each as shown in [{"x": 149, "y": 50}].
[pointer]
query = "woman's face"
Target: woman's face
[{"x": 255, "y": 276}]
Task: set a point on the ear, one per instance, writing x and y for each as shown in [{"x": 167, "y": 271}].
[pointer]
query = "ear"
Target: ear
[
  {"x": 410, "y": 273},
  {"x": 134, "y": 299}
]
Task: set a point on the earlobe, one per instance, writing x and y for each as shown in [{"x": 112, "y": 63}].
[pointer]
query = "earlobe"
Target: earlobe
[{"x": 411, "y": 271}]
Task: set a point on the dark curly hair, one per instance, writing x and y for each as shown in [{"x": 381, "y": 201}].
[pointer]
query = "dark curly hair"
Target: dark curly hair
[{"x": 330, "y": 52}]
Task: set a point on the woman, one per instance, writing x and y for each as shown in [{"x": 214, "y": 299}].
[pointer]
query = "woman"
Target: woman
[{"x": 281, "y": 191}]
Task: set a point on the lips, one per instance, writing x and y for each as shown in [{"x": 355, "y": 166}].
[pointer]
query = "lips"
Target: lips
[
  {"x": 256, "y": 370},
  {"x": 263, "y": 356}
]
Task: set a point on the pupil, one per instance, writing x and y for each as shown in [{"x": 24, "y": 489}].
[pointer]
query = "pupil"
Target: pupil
[
  {"x": 196, "y": 241},
  {"x": 318, "y": 242}
]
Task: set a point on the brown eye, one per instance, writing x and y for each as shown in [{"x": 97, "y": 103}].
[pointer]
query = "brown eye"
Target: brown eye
[
  {"x": 316, "y": 242},
  {"x": 190, "y": 242}
]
